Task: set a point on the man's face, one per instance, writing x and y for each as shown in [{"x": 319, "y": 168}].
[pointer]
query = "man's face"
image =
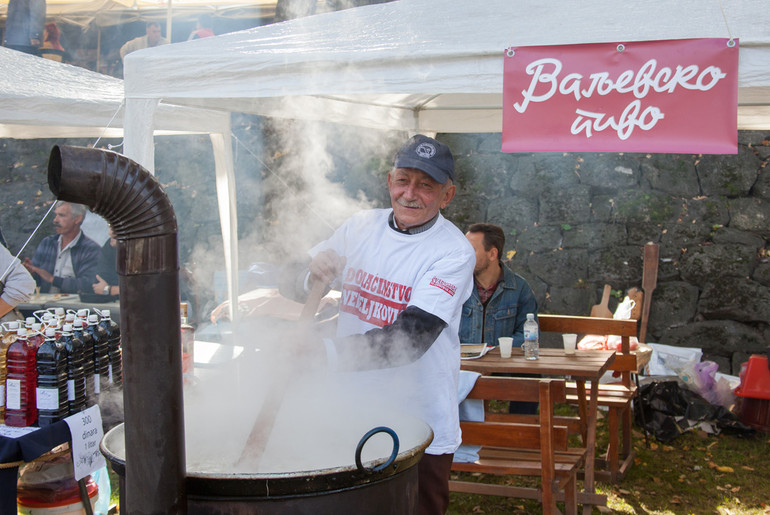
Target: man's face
[
  {"x": 64, "y": 221},
  {"x": 153, "y": 34},
  {"x": 416, "y": 197},
  {"x": 484, "y": 258}
]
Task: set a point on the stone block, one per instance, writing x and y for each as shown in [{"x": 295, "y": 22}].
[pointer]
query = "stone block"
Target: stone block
[
  {"x": 728, "y": 175},
  {"x": 566, "y": 300},
  {"x": 672, "y": 174},
  {"x": 539, "y": 239},
  {"x": 750, "y": 214},
  {"x": 562, "y": 267},
  {"x": 673, "y": 304},
  {"x": 701, "y": 265},
  {"x": 565, "y": 206},
  {"x": 486, "y": 175},
  {"x": 716, "y": 337},
  {"x": 730, "y": 235},
  {"x": 762, "y": 273},
  {"x": 515, "y": 212},
  {"x": 610, "y": 171},
  {"x": 620, "y": 267},
  {"x": 594, "y": 235},
  {"x": 635, "y": 206},
  {"x": 735, "y": 298}
]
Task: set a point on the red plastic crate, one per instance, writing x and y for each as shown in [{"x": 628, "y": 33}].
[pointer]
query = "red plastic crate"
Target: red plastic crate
[{"x": 755, "y": 379}]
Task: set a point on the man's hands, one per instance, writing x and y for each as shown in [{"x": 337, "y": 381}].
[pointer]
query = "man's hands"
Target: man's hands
[
  {"x": 327, "y": 266},
  {"x": 43, "y": 274},
  {"x": 99, "y": 285}
]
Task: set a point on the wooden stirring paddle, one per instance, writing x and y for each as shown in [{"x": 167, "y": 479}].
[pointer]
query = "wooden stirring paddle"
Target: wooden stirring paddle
[
  {"x": 260, "y": 433},
  {"x": 649, "y": 281}
]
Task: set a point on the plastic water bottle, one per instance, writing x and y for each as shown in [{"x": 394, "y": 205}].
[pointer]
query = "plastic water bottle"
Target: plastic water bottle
[{"x": 531, "y": 338}]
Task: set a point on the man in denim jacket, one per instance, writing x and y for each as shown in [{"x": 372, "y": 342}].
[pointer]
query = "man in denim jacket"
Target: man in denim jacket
[{"x": 501, "y": 299}]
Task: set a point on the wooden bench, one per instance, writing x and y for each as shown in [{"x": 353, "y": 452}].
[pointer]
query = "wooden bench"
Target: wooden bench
[
  {"x": 616, "y": 397},
  {"x": 525, "y": 445}
]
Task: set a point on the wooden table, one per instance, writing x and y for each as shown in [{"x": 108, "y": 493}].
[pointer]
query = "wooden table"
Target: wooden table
[
  {"x": 581, "y": 367},
  {"x": 67, "y": 301}
]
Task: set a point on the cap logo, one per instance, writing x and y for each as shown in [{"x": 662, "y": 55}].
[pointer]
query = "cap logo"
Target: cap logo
[{"x": 425, "y": 150}]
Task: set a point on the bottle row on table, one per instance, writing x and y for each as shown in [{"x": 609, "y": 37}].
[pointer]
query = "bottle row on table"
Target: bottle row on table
[{"x": 57, "y": 365}]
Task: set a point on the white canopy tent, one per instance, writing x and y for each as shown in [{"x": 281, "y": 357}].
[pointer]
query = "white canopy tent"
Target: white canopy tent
[
  {"x": 104, "y": 13},
  {"x": 40, "y": 98},
  {"x": 418, "y": 65}
]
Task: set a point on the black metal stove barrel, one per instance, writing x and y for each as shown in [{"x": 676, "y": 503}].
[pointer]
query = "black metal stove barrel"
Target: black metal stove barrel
[{"x": 144, "y": 223}]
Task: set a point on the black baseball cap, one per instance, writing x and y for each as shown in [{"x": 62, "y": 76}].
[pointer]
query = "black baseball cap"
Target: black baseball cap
[{"x": 428, "y": 155}]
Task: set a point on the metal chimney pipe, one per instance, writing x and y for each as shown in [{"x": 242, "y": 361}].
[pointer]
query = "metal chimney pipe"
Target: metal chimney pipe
[{"x": 143, "y": 219}]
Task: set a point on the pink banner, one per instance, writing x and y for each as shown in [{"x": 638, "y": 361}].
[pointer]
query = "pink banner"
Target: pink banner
[{"x": 676, "y": 96}]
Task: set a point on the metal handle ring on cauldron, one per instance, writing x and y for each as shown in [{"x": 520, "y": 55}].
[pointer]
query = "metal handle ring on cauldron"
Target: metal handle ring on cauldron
[{"x": 365, "y": 438}]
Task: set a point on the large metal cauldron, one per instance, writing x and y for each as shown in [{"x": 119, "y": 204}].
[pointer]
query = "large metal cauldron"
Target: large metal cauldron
[{"x": 367, "y": 487}]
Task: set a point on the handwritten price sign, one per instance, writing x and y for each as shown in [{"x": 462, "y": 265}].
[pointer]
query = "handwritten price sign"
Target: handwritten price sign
[
  {"x": 87, "y": 432},
  {"x": 675, "y": 96}
]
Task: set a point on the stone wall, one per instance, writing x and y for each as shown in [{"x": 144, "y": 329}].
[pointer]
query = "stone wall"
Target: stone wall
[
  {"x": 573, "y": 221},
  {"x": 579, "y": 221}
]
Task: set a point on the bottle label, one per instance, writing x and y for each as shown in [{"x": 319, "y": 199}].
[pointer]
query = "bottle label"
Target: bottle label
[
  {"x": 2, "y": 395},
  {"x": 70, "y": 389},
  {"x": 109, "y": 374},
  {"x": 13, "y": 391},
  {"x": 97, "y": 385},
  {"x": 47, "y": 398}
]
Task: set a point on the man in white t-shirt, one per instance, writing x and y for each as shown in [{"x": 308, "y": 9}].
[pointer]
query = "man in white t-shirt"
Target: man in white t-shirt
[{"x": 405, "y": 274}]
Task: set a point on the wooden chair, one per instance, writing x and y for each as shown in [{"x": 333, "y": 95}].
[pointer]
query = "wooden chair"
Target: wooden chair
[
  {"x": 616, "y": 397},
  {"x": 525, "y": 445}
]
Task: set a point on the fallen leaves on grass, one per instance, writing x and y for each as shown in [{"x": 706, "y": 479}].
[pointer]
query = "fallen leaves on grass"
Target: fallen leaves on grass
[{"x": 721, "y": 468}]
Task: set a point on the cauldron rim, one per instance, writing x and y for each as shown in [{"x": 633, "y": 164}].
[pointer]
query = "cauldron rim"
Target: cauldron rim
[{"x": 278, "y": 484}]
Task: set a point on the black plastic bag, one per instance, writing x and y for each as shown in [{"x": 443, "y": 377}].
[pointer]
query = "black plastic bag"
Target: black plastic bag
[{"x": 667, "y": 409}]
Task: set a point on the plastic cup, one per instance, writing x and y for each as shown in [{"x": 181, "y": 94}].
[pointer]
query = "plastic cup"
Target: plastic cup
[
  {"x": 570, "y": 340},
  {"x": 506, "y": 343}
]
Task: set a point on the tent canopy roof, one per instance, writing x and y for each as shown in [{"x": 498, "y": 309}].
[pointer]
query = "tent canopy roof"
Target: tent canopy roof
[
  {"x": 40, "y": 98},
  {"x": 427, "y": 65},
  {"x": 115, "y": 12}
]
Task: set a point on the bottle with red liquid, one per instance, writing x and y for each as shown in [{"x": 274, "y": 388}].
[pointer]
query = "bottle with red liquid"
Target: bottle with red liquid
[
  {"x": 188, "y": 346},
  {"x": 35, "y": 336},
  {"x": 113, "y": 348},
  {"x": 52, "y": 404},
  {"x": 76, "y": 380},
  {"x": 20, "y": 382},
  {"x": 7, "y": 338}
]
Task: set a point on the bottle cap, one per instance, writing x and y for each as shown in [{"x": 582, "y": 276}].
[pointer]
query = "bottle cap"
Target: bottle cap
[
  {"x": 29, "y": 320},
  {"x": 93, "y": 318},
  {"x": 37, "y": 326},
  {"x": 50, "y": 332},
  {"x": 105, "y": 313},
  {"x": 21, "y": 331},
  {"x": 67, "y": 328}
]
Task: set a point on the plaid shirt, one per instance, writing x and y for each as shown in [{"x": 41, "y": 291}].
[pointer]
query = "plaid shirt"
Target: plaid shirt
[{"x": 85, "y": 256}]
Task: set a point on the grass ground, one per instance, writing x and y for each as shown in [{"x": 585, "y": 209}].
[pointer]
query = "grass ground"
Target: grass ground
[{"x": 695, "y": 474}]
